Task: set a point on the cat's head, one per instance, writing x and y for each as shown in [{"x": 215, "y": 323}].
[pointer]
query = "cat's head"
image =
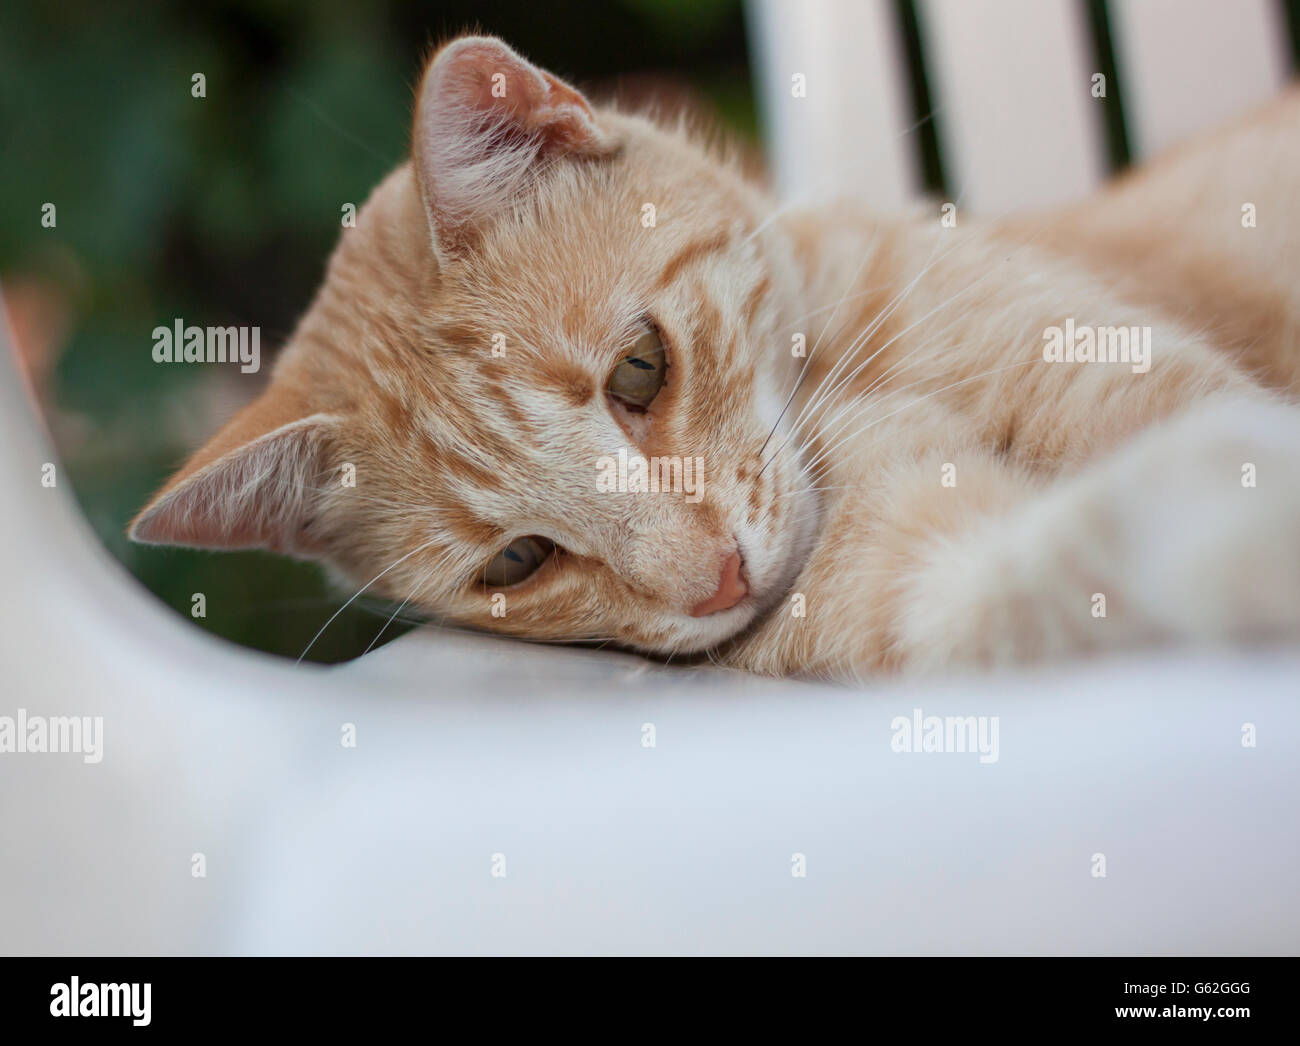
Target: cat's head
[{"x": 547, "y": 291}]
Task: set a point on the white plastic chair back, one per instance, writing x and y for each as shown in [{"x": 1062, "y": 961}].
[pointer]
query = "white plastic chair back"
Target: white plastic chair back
[{"x": 1011, "y": 85}]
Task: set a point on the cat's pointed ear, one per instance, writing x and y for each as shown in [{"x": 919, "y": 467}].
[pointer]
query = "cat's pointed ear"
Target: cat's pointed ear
[
  {"x": 485, "y": 121},
  {"x": 252, "y": 486}
]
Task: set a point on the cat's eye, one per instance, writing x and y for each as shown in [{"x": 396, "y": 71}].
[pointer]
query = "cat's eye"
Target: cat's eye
[
  {"x": 517, "y": 562},
  {"x": 640, "y": 374}
]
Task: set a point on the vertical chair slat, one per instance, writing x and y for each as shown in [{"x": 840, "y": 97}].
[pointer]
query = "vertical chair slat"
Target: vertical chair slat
[
  {"x": 848, "y": 135},
  {"x": 1190, "y": 64},
  {"x": 1011, "y": 80}
]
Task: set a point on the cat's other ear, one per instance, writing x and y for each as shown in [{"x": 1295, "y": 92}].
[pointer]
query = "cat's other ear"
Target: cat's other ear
[
  {"x": 252, "y": 486},
  {"x": 485, "y": 121}
]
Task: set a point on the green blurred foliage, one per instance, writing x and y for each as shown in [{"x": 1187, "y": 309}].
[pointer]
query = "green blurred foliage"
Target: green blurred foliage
[{"x": 223, "y": 209}]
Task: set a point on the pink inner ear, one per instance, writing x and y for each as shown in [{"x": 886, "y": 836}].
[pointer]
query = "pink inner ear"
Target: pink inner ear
[
  {"x": 492, "y": 79},
  {"x": 485, "y": 120},
  {"x": 257, "y": 495}
]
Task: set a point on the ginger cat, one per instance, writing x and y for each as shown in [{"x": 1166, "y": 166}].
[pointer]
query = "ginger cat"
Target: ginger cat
[{"x": 941, "y": 478}]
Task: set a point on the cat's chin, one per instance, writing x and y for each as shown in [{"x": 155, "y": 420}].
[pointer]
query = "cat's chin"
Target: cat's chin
[{"x": 698, "y": 635}]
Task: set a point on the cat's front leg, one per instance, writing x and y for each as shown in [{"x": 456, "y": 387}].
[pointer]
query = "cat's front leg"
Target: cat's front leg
[
  {"x": 946, "y": 559},
  {"x": 1189, "y": 533}
]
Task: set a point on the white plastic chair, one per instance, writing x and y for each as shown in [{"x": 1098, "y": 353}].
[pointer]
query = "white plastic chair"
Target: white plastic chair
[{"x": 1010, "y": 82}]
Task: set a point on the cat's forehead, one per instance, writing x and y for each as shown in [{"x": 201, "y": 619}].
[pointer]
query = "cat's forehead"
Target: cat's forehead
[{"x": 601, "y": 243}]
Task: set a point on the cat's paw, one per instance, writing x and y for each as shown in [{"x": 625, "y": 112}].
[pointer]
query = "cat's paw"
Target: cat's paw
[{"x": 1188, "y": 533}]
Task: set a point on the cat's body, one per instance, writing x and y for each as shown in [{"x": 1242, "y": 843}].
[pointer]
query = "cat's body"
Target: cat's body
[
  {"x": 1052, "y": 503},
  {"x": 920, "y": 487}
]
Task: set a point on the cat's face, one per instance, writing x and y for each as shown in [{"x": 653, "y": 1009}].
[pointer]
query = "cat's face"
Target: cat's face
[{"x": 546, "y": 302}]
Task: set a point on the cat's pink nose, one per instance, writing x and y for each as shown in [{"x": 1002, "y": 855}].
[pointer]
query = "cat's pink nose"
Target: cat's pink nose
[{"x": 731, "y": 589}]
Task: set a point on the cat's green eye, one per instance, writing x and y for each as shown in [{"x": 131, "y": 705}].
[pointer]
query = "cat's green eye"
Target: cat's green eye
[
  {"x": 517, "y": 562},
  {"x": 640, "y": 374}
]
